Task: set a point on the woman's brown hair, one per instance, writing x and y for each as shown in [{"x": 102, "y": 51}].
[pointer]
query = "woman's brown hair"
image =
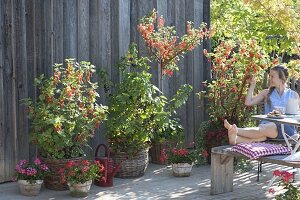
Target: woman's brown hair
[{"x": 283, "y": 75}]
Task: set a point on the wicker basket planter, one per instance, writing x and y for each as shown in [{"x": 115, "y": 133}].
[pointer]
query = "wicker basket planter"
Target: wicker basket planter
[
  {"x": 53, "y": 181},
  {"x": 131, "y": 167}
]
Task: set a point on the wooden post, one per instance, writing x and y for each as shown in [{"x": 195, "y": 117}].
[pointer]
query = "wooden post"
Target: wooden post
[{"x": 221, "y": 173}]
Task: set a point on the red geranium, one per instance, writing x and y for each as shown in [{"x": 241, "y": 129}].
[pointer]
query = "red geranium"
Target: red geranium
[
  {"x": 291, "y": 192},
  {"x": 181, "y": 155},
  {"x": 80, "y": 171}
]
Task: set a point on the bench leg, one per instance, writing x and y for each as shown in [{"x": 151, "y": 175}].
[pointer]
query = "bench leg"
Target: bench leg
[
  {"x": 221, "y": 174},
  {"x": 259, "y": 169}
]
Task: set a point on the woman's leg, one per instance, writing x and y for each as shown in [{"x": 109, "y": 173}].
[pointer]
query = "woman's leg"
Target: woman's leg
[
  {"x": 264, "y": 130},
  {"x": 241, "y": 139},
  {"x": 255, "y": 134}
]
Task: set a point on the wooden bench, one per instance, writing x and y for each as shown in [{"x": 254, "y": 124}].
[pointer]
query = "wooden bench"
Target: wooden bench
[{"x": 222, "y": 166}]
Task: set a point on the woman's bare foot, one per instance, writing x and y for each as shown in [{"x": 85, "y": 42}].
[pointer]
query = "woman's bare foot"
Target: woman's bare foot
[{"x": 232, "y": 132}]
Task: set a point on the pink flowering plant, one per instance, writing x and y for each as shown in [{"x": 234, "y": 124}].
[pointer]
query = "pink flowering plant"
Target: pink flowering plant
[
  {"x": 291, "y": 192},
  {"x": 31, "y": 171},
  {"x": 181, "y": 155},
  {"x": 80, "y": 171}
]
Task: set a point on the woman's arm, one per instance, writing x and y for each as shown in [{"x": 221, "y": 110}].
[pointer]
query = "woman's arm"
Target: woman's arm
[{"x": 250, "y": 100}]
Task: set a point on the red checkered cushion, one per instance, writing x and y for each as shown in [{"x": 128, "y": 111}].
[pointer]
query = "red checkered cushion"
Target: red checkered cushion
[{"x": 259, "y": 149}]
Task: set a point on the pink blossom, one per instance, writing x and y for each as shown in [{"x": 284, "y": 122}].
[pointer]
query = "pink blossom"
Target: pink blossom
[
  {"x": 85, "y": 169},
  {"x": 37, "y": 161},
  {"x": 271, "y": 191},
  {"x": 22, "y": 162},
  {"x": 31, "y": 171},
  {"x": 277, "y": 173},
  {"x": 287, "y": 176},
  {"x": 44, "y": 167}
]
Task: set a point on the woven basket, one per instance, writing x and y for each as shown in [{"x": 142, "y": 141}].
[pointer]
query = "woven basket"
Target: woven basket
[
  {"x": 131, "y": 167},
  {"x": 53, "y": 180}
]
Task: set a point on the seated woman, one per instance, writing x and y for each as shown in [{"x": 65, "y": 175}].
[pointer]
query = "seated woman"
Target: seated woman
[{"x": 277, "y": 95}]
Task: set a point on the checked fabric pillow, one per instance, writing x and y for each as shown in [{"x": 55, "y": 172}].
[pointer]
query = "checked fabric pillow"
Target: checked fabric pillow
[{"x": 258, "y": 149}]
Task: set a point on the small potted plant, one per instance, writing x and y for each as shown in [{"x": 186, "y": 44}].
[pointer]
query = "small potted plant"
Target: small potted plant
[
  {"x": 64, "y": 116},
  {"x": 30, "y": 176},
  {"x": 79, "y": 175},
  {"x": 182, "y": 160}
]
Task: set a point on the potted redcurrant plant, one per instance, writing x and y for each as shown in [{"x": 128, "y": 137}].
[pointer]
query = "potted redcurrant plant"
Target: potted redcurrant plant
[{"x": 65, "y": 114}]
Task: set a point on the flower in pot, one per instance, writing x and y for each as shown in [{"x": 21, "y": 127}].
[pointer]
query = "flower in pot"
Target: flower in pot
[
  {"x": 182, "y": 160},
  {"x": 169, "y": 133},
  {"x": 136, "y": 110},
  {"x": 79, "y": 175},
  {"x": 30, "y": 176},
  {"x": 65, "y": 115}
]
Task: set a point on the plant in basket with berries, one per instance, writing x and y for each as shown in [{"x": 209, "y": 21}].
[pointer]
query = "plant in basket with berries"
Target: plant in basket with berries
[{"x": 65, "y": 113}]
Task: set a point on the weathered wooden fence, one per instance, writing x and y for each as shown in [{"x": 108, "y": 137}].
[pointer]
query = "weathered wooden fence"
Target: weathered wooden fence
[{"x": 37, "y": 33}]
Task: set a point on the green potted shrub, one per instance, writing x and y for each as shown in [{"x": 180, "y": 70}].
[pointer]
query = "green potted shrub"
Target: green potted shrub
[
  {"x": 65, "y": 115},
  {"x": 136, "y": 110}
]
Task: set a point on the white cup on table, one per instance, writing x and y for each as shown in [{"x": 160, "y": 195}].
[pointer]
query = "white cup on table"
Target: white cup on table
[{"x": 281, "y": 109}]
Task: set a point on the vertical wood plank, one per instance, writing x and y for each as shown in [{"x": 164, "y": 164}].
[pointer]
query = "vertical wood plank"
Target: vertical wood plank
[
  {"x": 133, "y": 21},
  {"x": 38, "y": 7},
  {"x": 197, "y": 109},
  {"x": 9, "y": 91},
  {"x": 2, "y": 105},
  {"x": 189, "y": 64},
  {"x": 48, "y": 37},
  {"x": 70, "y": 29},
  {"x": 58, "y": 30},
  {"x": 106, "y": 55},
  {"x": 103, "y": 56},
  {"x": 206, "y": 64},
  {"x": 20, "y": 69},
  {"x": 124, "y": 26},
  {"x": 179, "y": 77},
  {"x": 31, "y": 64},
  {"x": 114, "y": 72},
  {"x": 144, "y": 7},
  {"x": 94, "y": 26},
  {"x": 94, "y": 50},
  {"x": 83, "y": 30}
]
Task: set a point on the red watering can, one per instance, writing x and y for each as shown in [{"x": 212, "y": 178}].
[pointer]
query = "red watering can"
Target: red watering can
[{"x": 109, "y": 170}]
